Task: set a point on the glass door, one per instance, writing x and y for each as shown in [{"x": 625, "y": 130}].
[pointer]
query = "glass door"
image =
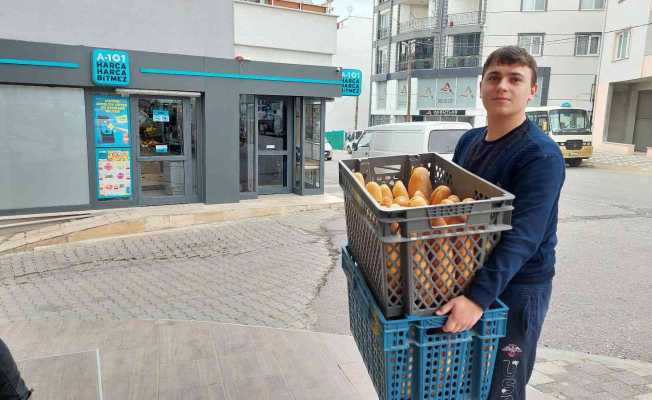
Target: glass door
[
  {"x": 273, "y": 141},
  {"x": 164, "y": 150},
  {"x": 313, "y": 146}
]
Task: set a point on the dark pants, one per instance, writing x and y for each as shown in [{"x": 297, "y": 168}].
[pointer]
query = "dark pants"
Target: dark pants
[
  {"x": 12, "y": 386},
  {"x": 517, "y": 351}
]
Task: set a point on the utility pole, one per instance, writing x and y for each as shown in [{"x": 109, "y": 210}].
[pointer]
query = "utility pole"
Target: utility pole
[
  {"x": 355, "y": 122},
  {"x": 408, "y": 114}
]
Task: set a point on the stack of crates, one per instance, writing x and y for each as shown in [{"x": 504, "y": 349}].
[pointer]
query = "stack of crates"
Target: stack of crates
[{"x": 400, "y": 269}]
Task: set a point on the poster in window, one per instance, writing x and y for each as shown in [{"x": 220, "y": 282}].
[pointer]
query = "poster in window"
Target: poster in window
[
  {"x": 466, "y": 92},
  {"x": 446, "y": 89},
  {"x": 111, "y": 121},
  {"x": 113, "y": 173}
]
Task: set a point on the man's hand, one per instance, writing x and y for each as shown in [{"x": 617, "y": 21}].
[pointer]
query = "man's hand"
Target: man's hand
[{"x": 462, "y": 314}]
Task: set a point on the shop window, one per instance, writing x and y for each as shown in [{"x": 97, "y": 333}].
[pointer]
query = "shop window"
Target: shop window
[
  {"x": 587, "y": 44},
  {"x": 533, "y": 43},
  {"x": 43, "y": 157},
  {"x": 247, "y": 132},
  {"x": 312, "y": 148}
]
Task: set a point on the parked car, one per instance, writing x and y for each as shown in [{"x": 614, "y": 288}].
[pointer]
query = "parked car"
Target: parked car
[
  {"x": 410, "y": 138},
  {"x": 328, "y": 150},
  {"x": 352, "y": 137}
]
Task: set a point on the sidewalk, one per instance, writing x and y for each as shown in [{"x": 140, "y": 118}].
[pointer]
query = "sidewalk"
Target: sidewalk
[
  {"x": 632, "y": 163},
  {"x": 167, "y": 359},
  {"x": 94, "y": 224}
]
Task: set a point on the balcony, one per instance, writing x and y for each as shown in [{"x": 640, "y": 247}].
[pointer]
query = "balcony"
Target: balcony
[
  {"x": 415, "y": 64},
  {"x": 463, "y": 61},
  {"x": 464, "y": 19},
  {"x": 417, "y": 24},
  {"x": 381, "y": 68},
  {"x": 295, "y": 5},
  {"x": 382, "y": 33}
]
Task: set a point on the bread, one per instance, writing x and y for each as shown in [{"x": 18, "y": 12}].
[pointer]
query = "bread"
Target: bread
[
  {"x": 420, "y": 180},
  {"x": 402, "y": 201},
  {"x": 440, "y": 193},
  {"x": 359, "y": 177},
  {"x": 386, "y": 192},
  {"x": 374, "y": 190},
  {"x": 399, "y": 189},
  {"x": 454, "y": 198},
  {"x": 418, "y": 201}
]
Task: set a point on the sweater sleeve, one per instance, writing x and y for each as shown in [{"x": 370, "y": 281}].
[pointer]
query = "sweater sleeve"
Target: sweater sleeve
[{"x": 536, "y": 188}]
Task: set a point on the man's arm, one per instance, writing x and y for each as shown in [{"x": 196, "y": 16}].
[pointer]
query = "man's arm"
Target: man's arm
[{"x": 536, "y": 190}]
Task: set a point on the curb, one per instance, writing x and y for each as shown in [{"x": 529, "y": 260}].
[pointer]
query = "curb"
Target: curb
[{"x": 132, "y": 221}]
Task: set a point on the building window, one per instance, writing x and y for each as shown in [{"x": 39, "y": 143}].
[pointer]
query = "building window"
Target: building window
[
  {"x": 533, "y": 5},
  {"x": 382, "y": 66},
  {"x": 533, "y": 43},
  {"x": 591, "y": 4},
  {"x": 622, "y": 45},
  {"x": 587, "y": 44},
  {"x": 383, "y": 26},
  {"x": 463, "y": 50},
  {"x": 419, "y": 52}
]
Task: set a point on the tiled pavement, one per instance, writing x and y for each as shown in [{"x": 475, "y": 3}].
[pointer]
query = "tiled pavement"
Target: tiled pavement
[{"x": 635, "y": 162}]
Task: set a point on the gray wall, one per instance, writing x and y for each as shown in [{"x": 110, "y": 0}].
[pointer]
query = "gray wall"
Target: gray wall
[
  {"x": 43, "y": 160},
  {"x": 197, "y": 27},
  {"x": 220, "y": 95},
  {"x": 648, "y": 47}
]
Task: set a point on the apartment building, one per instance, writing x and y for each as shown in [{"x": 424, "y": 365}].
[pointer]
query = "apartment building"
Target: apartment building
[
  {"x": 428, "y": 54},
  {"x": 622, "y": 120}
]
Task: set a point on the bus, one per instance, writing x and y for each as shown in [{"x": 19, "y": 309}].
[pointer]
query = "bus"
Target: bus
[{"x": 569, "y": 127}]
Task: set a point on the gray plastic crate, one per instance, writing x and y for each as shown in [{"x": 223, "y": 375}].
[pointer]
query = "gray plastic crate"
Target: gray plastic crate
[{"x": 441, "y": 260}]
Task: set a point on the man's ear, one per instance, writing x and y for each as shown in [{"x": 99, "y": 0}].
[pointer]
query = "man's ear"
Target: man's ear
[
  {"x": 480, "y": 89},
  {"x": 533, "y": 92}
]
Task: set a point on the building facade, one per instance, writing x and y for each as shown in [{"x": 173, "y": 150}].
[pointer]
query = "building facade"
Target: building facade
[
  {"x": 623, "y": 110},
  {"x": 428, "y": 54},
  {"x": 95, "y": 117},
  {"x": 353, "y": 51}
]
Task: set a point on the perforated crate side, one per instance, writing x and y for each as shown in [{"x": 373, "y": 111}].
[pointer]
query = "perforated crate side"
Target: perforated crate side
[
  {"x": 384, "y": 345},
  {"x": 445, "y": 362}
]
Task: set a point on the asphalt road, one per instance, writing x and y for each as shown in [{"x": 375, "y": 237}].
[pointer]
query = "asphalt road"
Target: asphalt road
[{"x": 602, "y": 291}]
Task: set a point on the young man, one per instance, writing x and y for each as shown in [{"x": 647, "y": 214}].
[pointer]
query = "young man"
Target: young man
[{"x": 515, "y": 154}]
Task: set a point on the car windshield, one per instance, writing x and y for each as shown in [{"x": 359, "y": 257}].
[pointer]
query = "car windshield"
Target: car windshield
[
  {"x": 444, "y": 141},
  {"x": 568, "y": 121}
]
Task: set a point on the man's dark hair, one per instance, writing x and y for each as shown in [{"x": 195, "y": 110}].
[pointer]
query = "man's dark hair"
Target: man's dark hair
[{"x": 510, "y": 55}]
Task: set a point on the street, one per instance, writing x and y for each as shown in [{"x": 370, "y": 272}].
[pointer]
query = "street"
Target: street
[{"x": 283, "y": 271}]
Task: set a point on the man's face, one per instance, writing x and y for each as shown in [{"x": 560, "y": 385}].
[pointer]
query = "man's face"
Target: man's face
[{"x": 506, "y": 89}]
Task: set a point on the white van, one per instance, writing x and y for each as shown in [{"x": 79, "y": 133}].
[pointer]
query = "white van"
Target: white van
[{"x": 410, "y": 138}]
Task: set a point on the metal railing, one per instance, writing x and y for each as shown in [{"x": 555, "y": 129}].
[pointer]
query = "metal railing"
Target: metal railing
[
  {"x": 382, "y": 33},
  {"x": 381, "y": 68},
  {"x": 463, "y": 61},
  {"x": 465, "y": 18},
  {"x": 417, "y": 24},
  {"x": 415, "y": 64},
  {"x": 296, "y": 5}
]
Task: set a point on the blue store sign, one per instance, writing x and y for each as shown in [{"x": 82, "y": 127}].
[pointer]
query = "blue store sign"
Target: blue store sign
[
  {"x": 351, "y": 82},
  {"x": 110, "y": 67}
]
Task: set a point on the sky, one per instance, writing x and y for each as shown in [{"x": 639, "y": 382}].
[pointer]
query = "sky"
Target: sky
[{"x": 361, "y": 8}]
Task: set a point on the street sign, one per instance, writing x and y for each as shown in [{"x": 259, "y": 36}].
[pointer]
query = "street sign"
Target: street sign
[{"x": 351, "y": 82}]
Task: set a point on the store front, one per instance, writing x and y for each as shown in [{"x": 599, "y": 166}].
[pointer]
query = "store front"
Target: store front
[{"x": 140, "y": 129}]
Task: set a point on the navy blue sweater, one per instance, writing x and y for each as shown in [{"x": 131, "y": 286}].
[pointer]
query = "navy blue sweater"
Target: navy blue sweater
[{"x": 530, "y": 165}]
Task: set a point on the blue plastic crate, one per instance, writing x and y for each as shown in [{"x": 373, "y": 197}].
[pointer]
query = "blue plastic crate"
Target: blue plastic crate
[{"x": 411, "y": 358}]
